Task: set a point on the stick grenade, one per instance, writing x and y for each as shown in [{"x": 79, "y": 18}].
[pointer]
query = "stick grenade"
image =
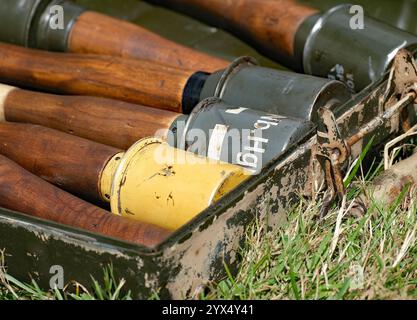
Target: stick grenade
[
  {"x": 107, "y": 121},
  {"x": 243, "y": 83},
  {"x": 22, "y": 191},
  {"x": 341, "y": 43},
  {"x": 121, "y": 124},
  {"x": 28, "y": 23},
  {"x": 151, "y": 182}
]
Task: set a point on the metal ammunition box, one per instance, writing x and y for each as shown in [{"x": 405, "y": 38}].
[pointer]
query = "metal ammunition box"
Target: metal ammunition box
[{"x": 197, "y": 253}]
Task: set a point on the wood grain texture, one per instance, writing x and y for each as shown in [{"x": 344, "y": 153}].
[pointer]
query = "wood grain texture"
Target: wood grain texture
[
  {"x": 22, "y": 191},
  {"x": 72, "y": 163},
  {"x": 130, "y": 80},
  {"x": 111, "y": 122},
  {"x": 272, "y": 24},
  {"x": 100, "y": 34}
]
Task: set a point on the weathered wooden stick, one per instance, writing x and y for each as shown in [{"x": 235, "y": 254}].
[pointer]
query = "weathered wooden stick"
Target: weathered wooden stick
[
  {"x": 22, "y": 191},
  {"x": 270, "y": 25},
  {"x": 130, "y": 80},
  {"x": 111, "y": 122},
  {"x": 100, "y": 34},
  {"x": 72, "y": 163},
  {"x": 28, "y": 23}
]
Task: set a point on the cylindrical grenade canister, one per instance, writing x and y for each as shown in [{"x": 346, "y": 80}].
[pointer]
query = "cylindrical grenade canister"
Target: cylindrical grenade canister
[
  {"x": 55, "y": 37},
  {"x": 358, "y": 55},
  {"x": 28, "y": 22},
  {"x": 245, "y": 84},
  {"x": 156, "y": 183},
  {"x": 17, "y": 17},
  {"x": 246, "y": 137},
  {"x": 399, "y": 13}
]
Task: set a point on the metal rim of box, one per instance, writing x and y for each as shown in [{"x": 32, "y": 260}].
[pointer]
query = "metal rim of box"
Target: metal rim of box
[{"x": 234, "y": 67}]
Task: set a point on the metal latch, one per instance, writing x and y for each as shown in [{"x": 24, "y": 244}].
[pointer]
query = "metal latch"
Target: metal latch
[{"x": 332, "y": 152}]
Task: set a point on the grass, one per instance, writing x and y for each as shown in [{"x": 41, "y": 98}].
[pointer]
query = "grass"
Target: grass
[
  {"x": 13, "y": 289},
  {"x": 344, "y": 256}
]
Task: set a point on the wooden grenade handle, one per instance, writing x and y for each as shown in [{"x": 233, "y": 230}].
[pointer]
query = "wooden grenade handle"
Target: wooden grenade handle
[
  {"x": 70, "y": 162},
  {"x": 97, "y": 33},
  {"x": 130, "y": 80},
  {"x": 111, "y": 122},
  {"x": 271, "y": 24}
]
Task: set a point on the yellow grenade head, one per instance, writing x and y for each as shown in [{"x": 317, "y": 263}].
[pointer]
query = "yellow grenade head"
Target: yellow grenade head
[{"x": 156, "y": 183}]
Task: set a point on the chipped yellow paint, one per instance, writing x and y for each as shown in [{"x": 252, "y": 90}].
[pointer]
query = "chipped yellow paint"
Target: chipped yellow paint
[
  {"x": 107, "y": 176},
  {"x": 155, "y": 183}
]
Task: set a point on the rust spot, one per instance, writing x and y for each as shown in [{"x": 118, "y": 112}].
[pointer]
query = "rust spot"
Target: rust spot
[
  {"x": 170, "y": 198},
  {"x": 123, "y": 182},
  {"x": 168, "y": 171}
]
